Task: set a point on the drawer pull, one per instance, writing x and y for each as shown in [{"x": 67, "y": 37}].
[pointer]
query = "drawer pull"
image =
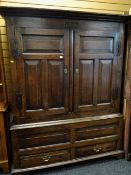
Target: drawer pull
[
  {"x": 46, "y": 157},
  {"x": 97, "y": 148}
]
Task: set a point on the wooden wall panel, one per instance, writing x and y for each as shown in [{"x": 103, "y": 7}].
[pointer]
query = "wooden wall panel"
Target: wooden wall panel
[
  {"x": 99, "y": 6},
  {"x": 5, "y": 55}
]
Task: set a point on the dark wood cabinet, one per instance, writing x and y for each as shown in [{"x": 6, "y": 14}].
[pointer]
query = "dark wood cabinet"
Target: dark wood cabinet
[{"x": 66, "y": 77}]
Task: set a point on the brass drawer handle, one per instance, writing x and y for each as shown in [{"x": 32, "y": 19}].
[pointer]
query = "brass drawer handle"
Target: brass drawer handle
[
  {"x": 46, "y": 157},
  {"x": 97, "y": 148}
]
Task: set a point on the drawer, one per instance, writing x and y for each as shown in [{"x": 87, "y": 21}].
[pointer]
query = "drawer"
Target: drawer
[
  {"x": 95, "y": 149},
  {"x": 44, "y": 158},
  {"x": 46, "y": 143},
  {"x": 95, "y": 132},
  {"x": 43, "y": 136},
  {"x": 66, "y": 133},
  {"x": 96, "y": 129}
]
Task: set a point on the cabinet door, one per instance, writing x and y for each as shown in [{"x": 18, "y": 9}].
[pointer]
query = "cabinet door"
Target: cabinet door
[
  {"x": 41, "y": 78},
  {"x": 97, "y": 71}
]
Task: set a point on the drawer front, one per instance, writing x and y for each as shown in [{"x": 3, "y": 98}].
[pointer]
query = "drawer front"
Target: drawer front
[
  {"x": 44, "y": 158},
  {"x": 86, "y": 133},
  {"x": 96, "y": 129},
  {"x": 43, "y": 136},
  {"x": 95, "y": 149}
]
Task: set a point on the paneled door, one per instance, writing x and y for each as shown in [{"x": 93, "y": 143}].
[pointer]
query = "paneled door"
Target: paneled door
[
  {"x": 65, "y": 66},
  {"x": 97, "y": 71},
  {"x": 41, "y": 88}
]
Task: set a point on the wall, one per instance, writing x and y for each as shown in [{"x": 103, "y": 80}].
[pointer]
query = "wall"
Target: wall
[
  {"x": 5, "y": 54},
  {"x": 99, "y": 6}
]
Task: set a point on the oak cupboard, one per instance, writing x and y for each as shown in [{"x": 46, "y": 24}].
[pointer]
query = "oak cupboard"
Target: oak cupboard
[{"x": 66, "y": 96}]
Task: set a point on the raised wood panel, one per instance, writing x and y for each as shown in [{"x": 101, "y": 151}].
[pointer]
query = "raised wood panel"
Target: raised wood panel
[
  {"x": 92, "y": 45},
  {"x": 86, "y": 82},
  {"x": 32, "y": 83},
  {"x": 44, "y": 44},
  {"x": 56, "y": 84},
  {"x": 105, "y": 81}
]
